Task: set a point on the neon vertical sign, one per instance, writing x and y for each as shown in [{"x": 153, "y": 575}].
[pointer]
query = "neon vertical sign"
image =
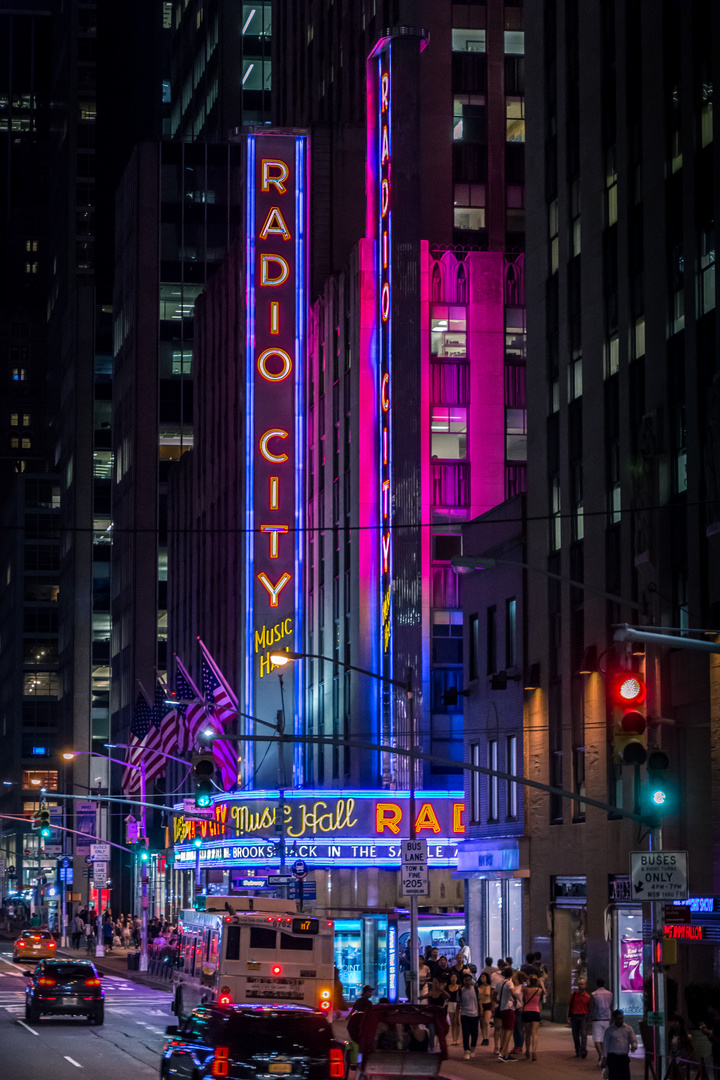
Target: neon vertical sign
[{"x": 276, "y": 268}]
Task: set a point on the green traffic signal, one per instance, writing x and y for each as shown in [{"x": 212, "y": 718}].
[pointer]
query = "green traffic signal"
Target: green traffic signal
[
  {"x": 144, "y": 855},
  {"x": 44, "y": 823},
  {"x": 203, "y": 794},
  {"x": 46, "y": 832},
  {"x": 658, "y": 791},
  {"x": 197, "y": 842}
]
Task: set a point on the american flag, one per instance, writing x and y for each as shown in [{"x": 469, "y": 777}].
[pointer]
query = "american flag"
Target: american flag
[
  {"x": 221, "y": 710},
  {"x": 194, "y": 715},
  {"x": 167, "y": 721},
  {"x": 142, "y": 722}
]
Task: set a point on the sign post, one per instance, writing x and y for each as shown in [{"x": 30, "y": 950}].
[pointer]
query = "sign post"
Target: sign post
[{"x": 299, "y": 869}]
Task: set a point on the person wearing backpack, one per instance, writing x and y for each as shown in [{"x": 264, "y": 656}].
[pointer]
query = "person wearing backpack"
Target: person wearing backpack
[{"x": 504, "y": 996}]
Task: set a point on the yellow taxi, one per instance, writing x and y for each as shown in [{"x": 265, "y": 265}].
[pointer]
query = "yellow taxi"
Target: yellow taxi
[{"x": 34, "y": 945}]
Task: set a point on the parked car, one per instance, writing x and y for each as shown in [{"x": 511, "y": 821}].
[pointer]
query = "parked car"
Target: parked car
[
  {"x": 69, "y": 987},
  {"x": 34, "y": 945},
  {"x": 248, "y": 1041},
  {"x": 397, "y": 1040}
]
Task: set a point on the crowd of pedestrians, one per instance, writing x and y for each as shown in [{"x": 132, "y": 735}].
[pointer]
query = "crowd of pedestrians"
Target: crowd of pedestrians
[{"x": 86, "y": 929}]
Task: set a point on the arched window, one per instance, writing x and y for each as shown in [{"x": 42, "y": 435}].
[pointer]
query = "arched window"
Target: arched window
[
  {"x": 462, "y": 285},
  {"x": 436, "y": 283}
]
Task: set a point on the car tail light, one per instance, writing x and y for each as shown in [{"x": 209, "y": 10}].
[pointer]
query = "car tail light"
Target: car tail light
[
  {"x": 92, "y": 982},
  {"x": 51, "y": 945},
  {"x": 37, "y": 937},
  {"x": 277, "y": 970},
  {"x": 325, "y": 1005},
  {"x": 21, "y": 944},
  {"x": 224, "y": 999},
  {"x": 220, "y": 1061},
  {"x": 47, "y": 982},
  {"x": 337, "y": 1063}
]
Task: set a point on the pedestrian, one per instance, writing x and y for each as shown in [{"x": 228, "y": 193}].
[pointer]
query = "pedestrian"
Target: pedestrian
[
  {"x": 460, "y": 968},
  {"x": 518, "y": 979},
  {"x": 578, "y": 1010},
  {"x": 618, "y": 1043},
  {"x": 469, "y": 1016},
  {"x": 443, "y": 968},
  {"x": 530, "y": 967},
  {"x": 76, "y": 931},
  {"x": 465, "y": 951},
  {"x": 125, "y": 934},
  {"x": 532, "y": 996},
  {"x": 486, "y": 1006},
  {"x": 711, "y": 1031},
  {"x": 424, "y": 977},
  {"x": 489, "y": 967},
  {"x": 504, "y": 996},
  {"x": 107, "y": 933},
  {"x": 453, "y": 989},
  {"x": 89, "y": 933},
  {"x": 680, "y": 1042},
  {"x": 355, "y": 1020},
  {"x": 433, "y": 962},
  {"x": 602, "y": 1001},
  {"x": 496, "y": 980}
]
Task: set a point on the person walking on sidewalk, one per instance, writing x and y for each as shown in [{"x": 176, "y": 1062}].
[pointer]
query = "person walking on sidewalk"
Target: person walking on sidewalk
[
  {"x": 469, "y": 1015},
  {"x": 618, "y": 1043},
  {"x": 486, "y": 1006},
  {"x": 601, "y": 1013},
  {"x": 505, "y": 1000},
  {"x": 578, "y": 1010},
  {"x": 453, "y": 1008},
  {"x": 532, "y": 996}
]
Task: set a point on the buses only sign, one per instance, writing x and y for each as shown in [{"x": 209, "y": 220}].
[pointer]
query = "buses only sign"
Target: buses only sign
[{"x": 659, "y": 875}]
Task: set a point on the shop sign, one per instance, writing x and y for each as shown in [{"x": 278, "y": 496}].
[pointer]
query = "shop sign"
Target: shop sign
[
  {"x": 659, "y": 875},
  {"x": 683, "y": 932},
  {"x": 700, "y": 905},
  {"x": 443, "y": 852},
  {"x": 392, "y": 948},
  {"x": 364, "y": 814}
]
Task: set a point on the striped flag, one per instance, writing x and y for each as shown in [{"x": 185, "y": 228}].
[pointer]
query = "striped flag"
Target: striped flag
[
  {"x": 141, "y": 724},
  {"x": 167, "y": 721},
  {"x": 193, "y": 714},
  {"x": 220, "y": 711}
]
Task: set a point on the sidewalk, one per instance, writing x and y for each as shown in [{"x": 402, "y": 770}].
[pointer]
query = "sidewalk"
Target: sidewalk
[{"x": 115, "y": 963}]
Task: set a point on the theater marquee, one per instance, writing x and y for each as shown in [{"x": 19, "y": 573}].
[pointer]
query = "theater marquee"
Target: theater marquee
[{"x": 276, "y": 291}]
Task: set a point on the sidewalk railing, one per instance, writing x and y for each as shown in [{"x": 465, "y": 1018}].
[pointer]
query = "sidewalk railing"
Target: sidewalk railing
[{"x": 161, "y": 960}]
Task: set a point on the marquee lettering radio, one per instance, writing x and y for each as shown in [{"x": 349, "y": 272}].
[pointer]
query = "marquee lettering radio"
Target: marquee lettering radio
[
  {"x": 276, "y": 275},
  {"x": 329, "y": 826}
]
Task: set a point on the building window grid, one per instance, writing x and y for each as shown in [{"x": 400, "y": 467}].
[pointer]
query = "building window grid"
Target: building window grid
[
  {"x": 512, "y": 768},
  {"x": 493, "y": 794}
]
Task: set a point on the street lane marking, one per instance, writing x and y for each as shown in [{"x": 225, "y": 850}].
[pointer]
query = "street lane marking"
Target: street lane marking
[
  {"x": 23, "y": 1024},
  {"x": 73, "y": 1061}
]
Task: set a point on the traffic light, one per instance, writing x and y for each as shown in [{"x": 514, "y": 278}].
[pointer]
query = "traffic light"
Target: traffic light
[
  {"x": 35, "y": 821},
  {"x": 629, "y": 718},
  {"x": 143, "y": 849},
  {"x": 203, "y": 772},
  {"x": 658, "y": 792},
  {"x": 44, "y": 825}
]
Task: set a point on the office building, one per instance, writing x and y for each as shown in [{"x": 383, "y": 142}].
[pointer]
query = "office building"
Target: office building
[{"x": 622, "y": 464}]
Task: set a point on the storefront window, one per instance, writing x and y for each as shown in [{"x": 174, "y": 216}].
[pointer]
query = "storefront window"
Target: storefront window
[
  {"x": 514, "y": 922},
  {"x": 348, "y": 957},
  {"x": 629, "y": 978},
  {"x": 494, "y": 919}
]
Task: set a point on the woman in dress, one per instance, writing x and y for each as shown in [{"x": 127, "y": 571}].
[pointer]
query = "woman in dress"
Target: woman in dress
[
  {"x": 486, "y": 1006},
  {"x": 532, "y": 996},
  {"x": 453, "y": 988}
]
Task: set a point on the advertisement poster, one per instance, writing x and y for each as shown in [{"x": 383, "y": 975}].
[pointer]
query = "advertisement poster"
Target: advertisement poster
[
  {"x": 84, "y": 823},
  {"x": 631, "y": 974}
]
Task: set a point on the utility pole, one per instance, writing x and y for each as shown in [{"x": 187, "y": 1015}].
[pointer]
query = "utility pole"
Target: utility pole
[
  {"x": 415, "y": 967},
  {"x": 143, "y": 870},
  {"x": 658, "y": 972},
  {"x": 99, "y": 947}
]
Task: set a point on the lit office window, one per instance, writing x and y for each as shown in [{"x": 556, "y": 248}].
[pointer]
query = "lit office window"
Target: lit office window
[
  {"x": 512, "y": 803},
  {"x": 449, "y": 431},
  {"x": 516, "y": 434},
  {"x": 515, "y": 119},
  {"x": 469, "y": 211},
  {"x": 492, "y": 781},
  {"x": 469, "y": 41},
  {"x": 447, "y": 331},
  {"x": 475, "y": 783},
  {"x": 514, "y": 42}
]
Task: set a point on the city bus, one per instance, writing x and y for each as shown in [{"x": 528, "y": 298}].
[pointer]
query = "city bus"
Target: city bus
[{"x": 251, "y": 950}]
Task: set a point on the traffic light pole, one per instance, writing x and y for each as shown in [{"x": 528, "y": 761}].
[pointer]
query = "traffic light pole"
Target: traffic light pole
[{"x": 658, "y": 972}]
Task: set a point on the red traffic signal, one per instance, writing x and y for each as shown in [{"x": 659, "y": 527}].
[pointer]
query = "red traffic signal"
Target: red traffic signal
[
  {"x": 627, "y": 713},
  {"x": 628, "y": 689}
]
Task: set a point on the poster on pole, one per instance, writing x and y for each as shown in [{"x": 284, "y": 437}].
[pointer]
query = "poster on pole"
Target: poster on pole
[{"x": 84, "y": 823}]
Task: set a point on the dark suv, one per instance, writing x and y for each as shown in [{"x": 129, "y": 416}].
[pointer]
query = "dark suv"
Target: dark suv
[
  {"x": 71, "y": 987},
  {"x": 248, "y": 1041}
]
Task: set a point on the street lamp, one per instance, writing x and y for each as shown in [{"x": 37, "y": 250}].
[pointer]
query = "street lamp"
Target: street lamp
[{"x": 281, "y": 659}]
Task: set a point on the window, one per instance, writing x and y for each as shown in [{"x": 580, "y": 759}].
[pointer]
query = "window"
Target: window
[
  {"x": 611, "y": 193},
  {"x": 469, "y": 118},
  {"x": 511, "y": 633},
  {"x": 575, "y": 379},
  {"x": 475, "y": 782},
  {"x": 515, "y": 334},
  {"x": 449, "y": 431},
  {"x": 492, "y": 780},
  {"x": 19, "y": 374},
  {"x": 261, "y": 937},
  {"x": 449, "y": 383},
  {"x": 473, "y": 646},
  {"x": 638, "y": 340},
  {"x": 706, "y": 114},
  {"x": 451, "y": 485},
  {"x": 512, "y": 803},
  {"x": 516, "y": 434},
  {"x": 556, "y": 515},
  {"x": 575, "y": 232},
  {"x": 706, "y": 285},
  {"x": 553, "y": 236},
  {"x": 469, "y": 211},
  {"x": 680, "y": 450},
  {"x": 296, "y": 944},
  {"x": 469, "y": 41},
  {"x": 515, "y": 42},
  {"x": 491, "y": 639},
  {"x": 34, "y": 779},
  {"x": 612, "y": 355},
  {"x": 447, "y": 637},
  {"x": 515, "y": 119},
  {"x": 447, "y": 330}
]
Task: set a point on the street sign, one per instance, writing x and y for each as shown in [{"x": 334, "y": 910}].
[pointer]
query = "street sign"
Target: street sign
[
  {"x": 100, "y": 852},
  {"x": 279, "y": 879},
  {"x": 414, "y": 872},
  {"x": 309, "y": 890},
  {"x": 250, "y": 883},
  {"x": 656, "y": 1019},
  {"x": 133, "y": 829},
  {"x": 191, "y": 809},
  {"x": 89, "y": 860},
  {"x": 100, "y": 875},
  {"x": 659, "y": 875},
  {"x": 299, "y": 868},
  {"x": 86, "y": 872},
  {"x": 65, "y": 862}
]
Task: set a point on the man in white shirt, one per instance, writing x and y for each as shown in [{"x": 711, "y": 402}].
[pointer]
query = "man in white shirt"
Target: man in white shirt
[
  {"x": 619, "y": 1042},
  {"x": 465, "y": 950},
  {"x": 602, "y": 1001}
]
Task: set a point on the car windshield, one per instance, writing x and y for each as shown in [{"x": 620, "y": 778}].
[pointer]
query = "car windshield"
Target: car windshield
[
  {"x": 267, "y": 1034},
  {"x": 70, "y": 971}
]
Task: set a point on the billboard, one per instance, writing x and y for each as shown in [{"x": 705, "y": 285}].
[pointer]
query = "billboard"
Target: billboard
[{"x": 276, "y": 293}]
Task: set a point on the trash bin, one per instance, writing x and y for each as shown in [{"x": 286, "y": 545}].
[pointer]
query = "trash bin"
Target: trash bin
[{"x": 133, "y": 961}]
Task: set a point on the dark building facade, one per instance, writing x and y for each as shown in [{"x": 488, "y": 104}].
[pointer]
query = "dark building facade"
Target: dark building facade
[{"x": 622, "y": 459}]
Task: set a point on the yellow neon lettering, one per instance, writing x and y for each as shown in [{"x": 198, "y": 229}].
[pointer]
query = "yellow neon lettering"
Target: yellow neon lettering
[
  {"x": 458, "y": 808},
  {"x": 384, "y": 197},
  {"x": 265, "y": 371},
  {"x": 427, "y": 819},
  {"x": 276, "y": 181},
  {"x": 261, "y": 641},
  {"x": 385, "y": 92},
  {"x": 312, "y": 820},
  {"x": 266, "y": 261},
  {"x": 273, "y": 591},
  {"x": 385, "y": 301},
  {"x": 387, "y": 816},
  {"x": 273, "y": 530},
  {"x": 274, "y": 317},
  {"x": 384, "y": 397},
  {"x": 273, "y": 433},
  {"x": 275, "y": 225},
  {"x": 384, "y": 146},
  {"x": 274, "y": 490}
]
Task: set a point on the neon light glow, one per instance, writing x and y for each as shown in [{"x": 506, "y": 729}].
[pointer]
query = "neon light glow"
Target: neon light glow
[{"x": 276, "y": 292}]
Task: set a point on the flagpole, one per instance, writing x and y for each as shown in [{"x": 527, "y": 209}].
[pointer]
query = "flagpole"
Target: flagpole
[{"x": 231, "y": 694}]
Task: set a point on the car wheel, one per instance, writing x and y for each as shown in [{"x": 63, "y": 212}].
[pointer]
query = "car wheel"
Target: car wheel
[
  {"x": 33, "y": 1014},
  {"x": 99, "y": 1016},
  {"x": 177, "y": 1004}
]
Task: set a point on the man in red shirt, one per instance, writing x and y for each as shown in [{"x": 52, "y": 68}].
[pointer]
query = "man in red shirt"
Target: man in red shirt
[{"x": 578, "y": 1009}]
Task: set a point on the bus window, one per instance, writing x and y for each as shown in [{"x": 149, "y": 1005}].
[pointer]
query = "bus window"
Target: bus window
[
  {"x": 262, "y": 937},
  {"x": 199, "y": 953},
  {"x": 189, "y": 955},
  {"x": 213, "y": 947},
  {"x": 296, "y": 944},
  {"x": 232, "y": 951}
]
